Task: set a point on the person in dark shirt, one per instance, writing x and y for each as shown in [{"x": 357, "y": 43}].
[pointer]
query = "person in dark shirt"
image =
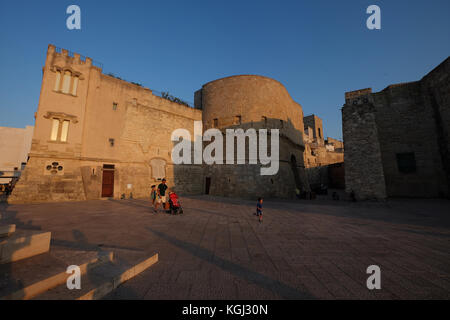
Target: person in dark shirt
[
  {"x": 161, "y": 192},
  {"x": 259, "y": 210}
]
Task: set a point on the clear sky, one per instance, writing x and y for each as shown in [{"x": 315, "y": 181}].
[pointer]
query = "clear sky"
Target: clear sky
[{"x": 317, "y": 49}]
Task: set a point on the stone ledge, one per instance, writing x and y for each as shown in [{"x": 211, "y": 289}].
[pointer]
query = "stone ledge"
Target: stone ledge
[
  {"x": 7, "y": 230},
  {"x": 24, "y": 244}
]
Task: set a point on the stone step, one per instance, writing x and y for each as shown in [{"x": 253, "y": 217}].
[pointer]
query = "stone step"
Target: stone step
[
  {"x": 24, "y": 244},
  {"x": 28, "y": 278},
  {"x": 99, "y": 281},
  {"x": 7, "y": 230}
]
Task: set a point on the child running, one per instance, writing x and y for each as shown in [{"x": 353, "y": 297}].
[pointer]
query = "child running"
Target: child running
[
  {"x": 153, "y": 195},
  {"x": 259, "y": 211}
]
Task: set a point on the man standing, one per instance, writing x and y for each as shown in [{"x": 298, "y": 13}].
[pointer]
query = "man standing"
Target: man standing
[{"x": 162, "y": 187}]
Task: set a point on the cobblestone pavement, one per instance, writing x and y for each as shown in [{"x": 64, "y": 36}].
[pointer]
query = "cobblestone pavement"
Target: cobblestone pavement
[{"x": 303, "y": 249}]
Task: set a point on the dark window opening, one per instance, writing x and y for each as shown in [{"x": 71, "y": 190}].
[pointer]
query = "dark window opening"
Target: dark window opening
[
  {"x": 320, "y": 134},
  {"x": 216, "y": 123},
  {"x": 111, "y": 142},
  {"x": 114, "y": 106},
  {"x": 406, "y": 162},
  {"x": 108, "y": 166},
  {"x": 207, "y": 184}
]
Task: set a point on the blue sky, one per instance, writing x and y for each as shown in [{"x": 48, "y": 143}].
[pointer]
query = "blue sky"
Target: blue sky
[{"x": 317, "y": 49}]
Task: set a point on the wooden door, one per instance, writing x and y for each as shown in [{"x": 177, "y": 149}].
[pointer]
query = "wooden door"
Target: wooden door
[{"x": 108, "y": 183}]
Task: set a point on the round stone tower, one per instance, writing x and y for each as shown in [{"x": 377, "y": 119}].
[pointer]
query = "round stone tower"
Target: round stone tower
[{"x": 251, "y": 101}]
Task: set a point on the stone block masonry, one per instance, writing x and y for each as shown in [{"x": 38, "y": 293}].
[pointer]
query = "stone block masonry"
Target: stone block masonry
[
  {"x": 397, "y": 140},
  {"x": 97, "y": 136}
]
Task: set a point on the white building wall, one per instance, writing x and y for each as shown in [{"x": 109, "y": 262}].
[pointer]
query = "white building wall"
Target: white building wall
[{"x": 15, "y": 144}]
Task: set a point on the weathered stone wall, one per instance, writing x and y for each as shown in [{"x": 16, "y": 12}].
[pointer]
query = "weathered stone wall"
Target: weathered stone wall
[
  {"x": 257, "y": 102},
  {"x": 36, "y": 184},
  {"x": 363, "y": 168},
  {"x": 124, "y": 126},
  {"x": 246, "y": 181},
  {"x": 405, "y": 124},
  {"x": 436, "y": 93},
  {"x": 336, "y": 143},
  {"x": 315, "y": 123},
  {"x": 112, "y": 122},
  {"x": 317, "y": 153},
  {"x": 405, "y": 118}
]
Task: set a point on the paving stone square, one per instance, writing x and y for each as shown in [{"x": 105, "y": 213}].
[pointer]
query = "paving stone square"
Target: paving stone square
[{"x": 218, "y": 250}]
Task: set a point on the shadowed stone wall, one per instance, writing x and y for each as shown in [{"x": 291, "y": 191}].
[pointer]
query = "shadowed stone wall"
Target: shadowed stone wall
[
  {"x": 250, "y": 101},
  {"x": 405, "y": 120}
]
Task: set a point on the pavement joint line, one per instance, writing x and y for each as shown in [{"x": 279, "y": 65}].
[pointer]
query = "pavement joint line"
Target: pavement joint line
[{"x": 116, "y": 281}]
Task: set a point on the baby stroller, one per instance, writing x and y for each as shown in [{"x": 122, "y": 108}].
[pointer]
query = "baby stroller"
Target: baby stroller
[{"x": 175, "y": 205}]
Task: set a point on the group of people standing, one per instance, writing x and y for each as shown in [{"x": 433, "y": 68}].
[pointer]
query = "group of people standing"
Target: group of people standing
[{"x": 158, "y": 195}]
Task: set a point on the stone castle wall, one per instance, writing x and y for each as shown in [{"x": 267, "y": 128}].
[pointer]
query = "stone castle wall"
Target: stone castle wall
[
  {"x": 121, "y": 126},
  {"x": 405, "y": 119},
  {"x": 363, "y": 169},
  {"x": 257, "y": 102}
]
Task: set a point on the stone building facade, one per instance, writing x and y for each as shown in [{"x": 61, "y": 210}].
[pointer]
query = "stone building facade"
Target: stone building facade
[
  {"x": 322, "y": 158},
  {"x": 318, "y": 151},
  {"x": 397, "y": 140},
  {"x": 97, "y": 136}
]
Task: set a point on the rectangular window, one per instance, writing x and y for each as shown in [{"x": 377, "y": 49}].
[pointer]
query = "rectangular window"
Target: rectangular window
[
  {"x": 237, "y": 120},
  {"x": 66, "y": 82},
  {"x": 55, "y": 128},
  {"x": 111, "y": 142},
  {"x": 216, "y": 123},
  {"x": 75, "y": 86},
  {"x": 58, "y": 80},
  {"x": 406, "y": 162},
  {"x": 114, "y": 106},
  {"x": 64, "y": 130}
]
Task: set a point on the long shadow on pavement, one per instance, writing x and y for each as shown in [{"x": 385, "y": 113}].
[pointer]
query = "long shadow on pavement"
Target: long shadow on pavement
[{"x": 279, "y": 288}]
